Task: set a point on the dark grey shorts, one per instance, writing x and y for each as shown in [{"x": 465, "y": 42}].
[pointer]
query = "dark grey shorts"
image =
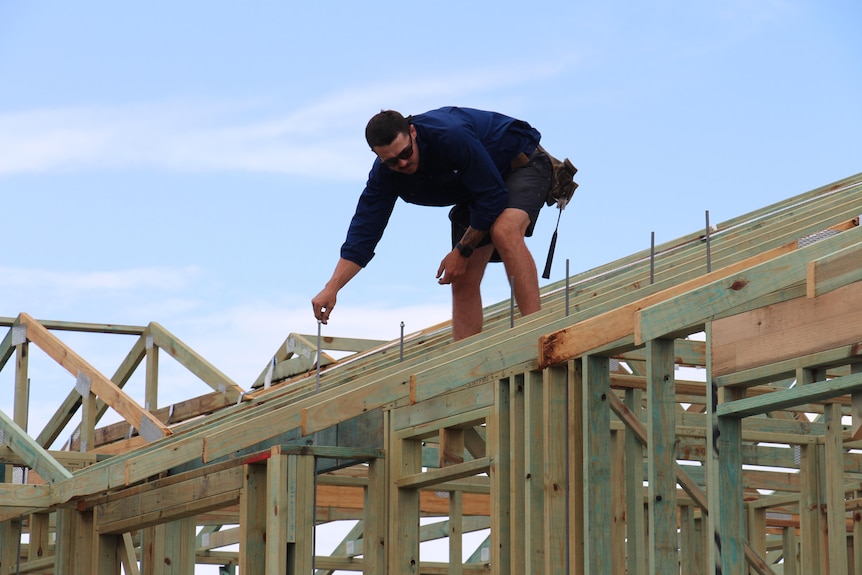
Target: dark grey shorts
[{"x": 528, "y": 189}]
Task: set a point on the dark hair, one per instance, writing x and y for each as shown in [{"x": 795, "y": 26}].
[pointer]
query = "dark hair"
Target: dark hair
[{"x": 384, "y": 127}]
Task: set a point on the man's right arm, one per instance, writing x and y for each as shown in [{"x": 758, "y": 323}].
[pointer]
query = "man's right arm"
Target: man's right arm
[{"x": 323, "y": 302}]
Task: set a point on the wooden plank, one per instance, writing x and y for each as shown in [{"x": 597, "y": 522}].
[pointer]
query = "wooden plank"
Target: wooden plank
[
  {"x": 597, "y": 468},
  {"x": 302, "y": 552},
  {"x": 727, "y": 507},
  {"x": 173, "y": 501},
  {"x": 31, "y": 452},
  {"x": 610, "y": 326},
  {"x": 783, "y": 331},
  {"x": 63, "y": 415},
  {"x": 100, "y": 385},
  {"x": 503, "y": 532},
  {"x": 799, "y": 395},
  {"x": 661, "y": 406},
  {"x": 253, "y": 519},
  {"x": 280, "y": 511},
  {"x": 376, "y": 505},
  {"x": 534, "y": 466},
  {"x": 448, "y": 473},
  {"x": 554, "y": 409},
  {"x": 833, "y": 271},
  {"x": 196, "y": 364},
  {"x": 406, "y": 459},
  {"x": 636, "y": 532},
  {"x": 576, "y": 468},
  {"x": 689, "y": 310},
  {"x": 835, "y": 495},
  {"x": 517, "y": 465}
]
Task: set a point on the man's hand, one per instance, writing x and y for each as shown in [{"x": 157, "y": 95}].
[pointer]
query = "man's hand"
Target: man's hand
[
  {"x": 323, "y": 303},
  {"x": 452, "y": 268}
]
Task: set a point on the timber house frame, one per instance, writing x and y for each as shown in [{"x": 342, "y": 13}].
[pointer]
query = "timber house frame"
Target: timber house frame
[{"x": 571, "y": 440}]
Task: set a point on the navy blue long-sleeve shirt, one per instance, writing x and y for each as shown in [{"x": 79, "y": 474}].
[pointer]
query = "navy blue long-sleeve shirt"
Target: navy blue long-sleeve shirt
[{"x": 463, "y": 156}]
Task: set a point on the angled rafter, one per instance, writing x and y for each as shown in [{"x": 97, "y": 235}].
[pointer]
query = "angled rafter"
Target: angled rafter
[{"x": 100, "y": 385}]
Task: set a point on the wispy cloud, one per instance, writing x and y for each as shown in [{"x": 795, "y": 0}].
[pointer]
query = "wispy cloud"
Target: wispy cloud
[{"x": 216, "y": 136}]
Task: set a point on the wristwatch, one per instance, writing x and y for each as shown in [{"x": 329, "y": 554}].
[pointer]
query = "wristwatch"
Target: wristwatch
[{"x": 465, "y": 251}]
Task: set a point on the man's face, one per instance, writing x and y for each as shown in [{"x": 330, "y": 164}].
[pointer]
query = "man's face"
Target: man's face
[{"x": 402, "y": 154}]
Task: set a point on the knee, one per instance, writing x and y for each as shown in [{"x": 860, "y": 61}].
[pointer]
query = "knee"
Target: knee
[{"x": 510, "y": 227}]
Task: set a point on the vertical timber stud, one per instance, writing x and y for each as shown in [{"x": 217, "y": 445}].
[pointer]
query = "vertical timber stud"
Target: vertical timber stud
[
  {"x": 731, "y": 511},
  {"x": 812, "y": 498},
  {"x": 597, "y": 466},
  {"x": 303, "y": 477},
  {"x": 534, "y": 469},
  {"x": 501, "y": 507},
  {"x": 618, "y": 499},
  {"x": 638, "y": 560},
  {"x": 152, "y": 549},
  {"x": 151, "y": 384},
  {"x": 809, "y": 510},
  {"x": 456, "y": 533},
  {"x": 404, "y": 519},
  {"x": 280, "y": 526},
  {"x": 790, "y": 545},
  {"x": 252, "y": 520},
  {"x": 556, "y": 486},
  {"x": 836, "y": 514},
  {"x": 376, "y": 510},
  {"x": 64, "y": 556},
  {"x": 517, "y": 468},
  {"x": 724, "y": 472},
  {"x": 290, "y": 513},
  {"x": 179, "y": 556},
  {"x": 661, "y": 444},
  {"x": 107, "y": 552},
  {"x": 575, "y": 434}
]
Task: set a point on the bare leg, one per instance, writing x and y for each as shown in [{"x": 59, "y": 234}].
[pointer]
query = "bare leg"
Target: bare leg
[
  {"x": 467, "y": 295},
  {"x": 507, "y": 234}
]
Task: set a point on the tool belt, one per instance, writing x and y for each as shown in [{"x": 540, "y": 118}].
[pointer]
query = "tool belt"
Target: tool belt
[{"x": 563, "y": 184}]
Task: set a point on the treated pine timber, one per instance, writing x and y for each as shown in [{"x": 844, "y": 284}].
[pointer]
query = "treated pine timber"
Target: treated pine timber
[
  {"x": 782, "y": 331},
  {"x": 100, "y": 385},
  {"x": 439, "y": 376},
  {"x": 31, "y": 452},
  {"x": 688, "y": 311},
  {"x": 834, "y": 271},
  {"x": 614, "y": 325},
  {"x": 192, "y": 361}
]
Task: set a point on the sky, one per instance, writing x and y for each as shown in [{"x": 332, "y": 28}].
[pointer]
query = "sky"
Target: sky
[{"x": 197, "y": 164}]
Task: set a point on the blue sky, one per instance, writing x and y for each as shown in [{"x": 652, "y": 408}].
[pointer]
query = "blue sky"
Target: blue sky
[{"x": 197, "y": 163}]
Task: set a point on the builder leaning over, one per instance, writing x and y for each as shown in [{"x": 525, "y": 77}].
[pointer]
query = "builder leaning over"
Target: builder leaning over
[{"x": 490, "y": 167}]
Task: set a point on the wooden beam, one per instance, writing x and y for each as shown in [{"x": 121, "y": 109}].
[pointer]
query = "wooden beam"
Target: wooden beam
[
  {"x": 661, "y": 439},
  {"x": 834, "y": 271},
  {"x": 783, "y": 331},
  {"x": 196, "y": 364},
  {"x": 100, "y": 385},
  {"x": 31, "y": 452},
  {"x": 592, "y": 333},
  {"x": 184, "y": 499},
  {"x": 799, "y": 395},
  {"x": 688, "y": 311}
]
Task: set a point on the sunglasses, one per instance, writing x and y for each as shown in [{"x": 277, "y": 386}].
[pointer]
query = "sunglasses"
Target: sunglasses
[{"x": 405, "y": 154}]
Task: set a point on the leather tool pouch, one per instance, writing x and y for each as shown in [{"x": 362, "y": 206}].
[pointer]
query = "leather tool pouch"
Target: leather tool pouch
[{"x": 563, "y": 184}]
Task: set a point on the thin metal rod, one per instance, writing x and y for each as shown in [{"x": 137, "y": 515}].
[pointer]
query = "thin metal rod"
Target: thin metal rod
[
  {"x": 317, "y": 383},
  {"x": 567, "y": 287},
  {"x": 401, "y": 347},
  {"x": 512, "y": 301},
  {"x": 708, "y": 254},
  {"x": 652, "y": 258}
]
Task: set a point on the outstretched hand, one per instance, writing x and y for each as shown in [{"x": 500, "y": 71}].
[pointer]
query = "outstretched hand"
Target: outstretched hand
[
  {"x": 452, "y": 268},
  {"x": 323, "y": 303}
]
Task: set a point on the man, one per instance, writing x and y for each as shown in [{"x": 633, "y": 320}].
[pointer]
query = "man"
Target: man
[{"x": 488, "y": 166}]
